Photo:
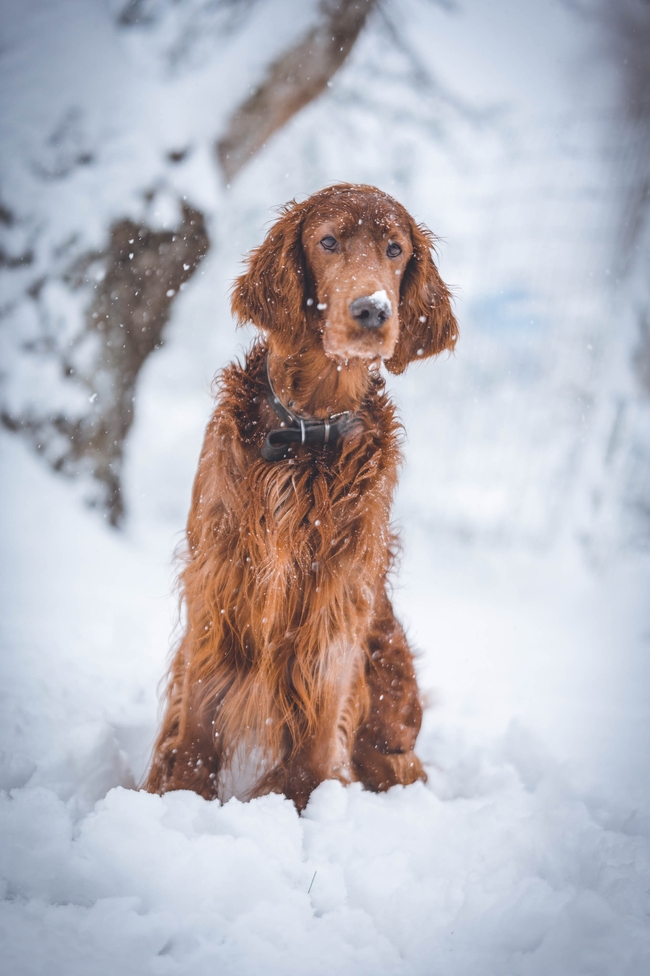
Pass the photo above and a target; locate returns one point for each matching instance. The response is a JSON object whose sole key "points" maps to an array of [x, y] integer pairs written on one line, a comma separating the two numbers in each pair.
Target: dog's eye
{"points": [[329, 243], [393, 250]]}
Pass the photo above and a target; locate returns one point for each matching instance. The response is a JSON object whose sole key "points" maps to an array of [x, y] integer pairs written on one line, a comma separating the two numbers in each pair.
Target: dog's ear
{"points": [[427, 323], [271, 292]]}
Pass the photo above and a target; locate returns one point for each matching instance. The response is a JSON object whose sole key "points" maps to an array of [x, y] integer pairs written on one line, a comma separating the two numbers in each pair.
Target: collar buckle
{"points": [[298, 430]]}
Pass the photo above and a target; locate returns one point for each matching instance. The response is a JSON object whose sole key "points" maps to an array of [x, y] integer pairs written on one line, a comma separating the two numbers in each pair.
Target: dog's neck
{"points": [[312, 384]]}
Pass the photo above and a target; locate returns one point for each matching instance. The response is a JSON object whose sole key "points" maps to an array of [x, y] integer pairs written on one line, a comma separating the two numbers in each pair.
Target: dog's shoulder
{"points": [[239, 388]]}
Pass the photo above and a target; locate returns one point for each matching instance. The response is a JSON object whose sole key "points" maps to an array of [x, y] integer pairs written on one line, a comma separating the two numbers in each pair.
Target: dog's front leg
{"points": [[185, 757], [383, 754], [325, 752]]}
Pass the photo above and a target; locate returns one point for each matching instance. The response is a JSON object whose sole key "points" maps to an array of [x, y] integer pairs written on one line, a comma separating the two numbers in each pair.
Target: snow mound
{"points": [[509, 880]]}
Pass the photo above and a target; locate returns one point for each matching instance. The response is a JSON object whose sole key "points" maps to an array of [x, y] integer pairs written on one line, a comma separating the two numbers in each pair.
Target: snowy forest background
{"points": [[144, 145]]}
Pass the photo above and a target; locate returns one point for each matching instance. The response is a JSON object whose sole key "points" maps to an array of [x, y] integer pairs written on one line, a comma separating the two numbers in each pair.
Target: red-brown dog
{"points": [[292, 668]]}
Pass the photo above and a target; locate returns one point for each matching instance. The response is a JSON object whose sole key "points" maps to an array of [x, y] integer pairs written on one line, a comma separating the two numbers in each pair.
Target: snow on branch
{"points": [[296, 78]]}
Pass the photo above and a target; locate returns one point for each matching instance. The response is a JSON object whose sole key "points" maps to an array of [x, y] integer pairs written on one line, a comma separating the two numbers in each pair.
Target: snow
{"points": [[527, 879], [523, 583], [381, 300]]}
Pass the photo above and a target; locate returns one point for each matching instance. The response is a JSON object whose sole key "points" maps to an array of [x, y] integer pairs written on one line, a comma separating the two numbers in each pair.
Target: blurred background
{"points": [[145, 144]]}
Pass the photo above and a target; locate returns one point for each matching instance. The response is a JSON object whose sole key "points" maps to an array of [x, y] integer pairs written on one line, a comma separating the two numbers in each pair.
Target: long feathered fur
{"points": [[292, 667]]}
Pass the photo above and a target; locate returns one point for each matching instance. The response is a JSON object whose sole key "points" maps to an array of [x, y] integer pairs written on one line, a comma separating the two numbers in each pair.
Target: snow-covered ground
{"points": [[522, 583]]}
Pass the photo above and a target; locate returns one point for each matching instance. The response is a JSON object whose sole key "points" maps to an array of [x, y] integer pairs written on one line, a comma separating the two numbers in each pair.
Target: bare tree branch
{"points": [[296, 78]]}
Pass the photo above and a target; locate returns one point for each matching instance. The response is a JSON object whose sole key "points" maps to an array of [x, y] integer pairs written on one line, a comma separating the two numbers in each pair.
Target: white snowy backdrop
{"points": [[524, 503]]}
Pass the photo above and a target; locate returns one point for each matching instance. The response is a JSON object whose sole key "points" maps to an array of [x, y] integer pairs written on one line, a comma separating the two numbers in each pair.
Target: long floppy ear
{"points": [[427, 323], [271, 292]]}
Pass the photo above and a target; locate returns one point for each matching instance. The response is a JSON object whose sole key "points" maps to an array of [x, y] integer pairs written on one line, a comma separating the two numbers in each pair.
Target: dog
{"points": [[292, 668]]}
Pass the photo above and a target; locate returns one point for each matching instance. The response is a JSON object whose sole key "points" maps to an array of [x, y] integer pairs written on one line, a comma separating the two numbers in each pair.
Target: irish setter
{"points": [[292, 668]]}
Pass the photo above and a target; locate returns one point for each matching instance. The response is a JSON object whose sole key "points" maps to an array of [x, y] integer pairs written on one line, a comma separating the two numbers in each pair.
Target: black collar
{"points": [[295, 430]]}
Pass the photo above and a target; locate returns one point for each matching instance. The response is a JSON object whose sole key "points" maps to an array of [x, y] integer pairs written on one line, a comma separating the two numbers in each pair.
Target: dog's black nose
{"points": [[371, 311]]}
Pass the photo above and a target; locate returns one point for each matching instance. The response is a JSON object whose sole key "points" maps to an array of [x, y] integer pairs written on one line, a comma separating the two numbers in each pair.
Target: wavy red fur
{"points": [[292, 667]]}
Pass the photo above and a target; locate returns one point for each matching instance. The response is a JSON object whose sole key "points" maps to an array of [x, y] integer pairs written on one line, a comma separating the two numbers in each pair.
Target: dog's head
{"points": [[350, 264]]}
